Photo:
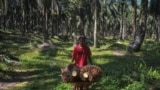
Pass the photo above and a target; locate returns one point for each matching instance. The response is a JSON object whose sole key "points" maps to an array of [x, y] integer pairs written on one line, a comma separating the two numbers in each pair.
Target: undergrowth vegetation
{"points": [[38, 68]]}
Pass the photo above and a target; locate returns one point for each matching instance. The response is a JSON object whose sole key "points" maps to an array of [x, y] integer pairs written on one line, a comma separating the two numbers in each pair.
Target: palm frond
{"points": [[4, 6], [154, 7]]}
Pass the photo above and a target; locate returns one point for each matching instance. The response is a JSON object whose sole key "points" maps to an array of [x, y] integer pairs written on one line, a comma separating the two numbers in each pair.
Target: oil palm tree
{"points": [[155, 11], [134, 5], [122, 19], [95, 8], [135, 45], [3, 12], [44, 6]]}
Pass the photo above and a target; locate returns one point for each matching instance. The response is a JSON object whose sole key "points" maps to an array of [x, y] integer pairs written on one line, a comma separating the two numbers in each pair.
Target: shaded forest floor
{"points": [[17, 78], [29, 64], [13, 78]]}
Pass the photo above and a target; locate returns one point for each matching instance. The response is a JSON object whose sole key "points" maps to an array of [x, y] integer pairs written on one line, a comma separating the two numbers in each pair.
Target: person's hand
{"points": [[72, 62], [90, 63]]}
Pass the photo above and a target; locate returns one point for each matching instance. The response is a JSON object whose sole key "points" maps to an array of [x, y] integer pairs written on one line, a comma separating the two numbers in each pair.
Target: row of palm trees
{"points": [[93, 18]]}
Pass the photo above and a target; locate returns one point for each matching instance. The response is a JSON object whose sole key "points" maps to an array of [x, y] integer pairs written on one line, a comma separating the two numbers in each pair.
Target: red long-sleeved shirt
{"points": [[80, 55]]}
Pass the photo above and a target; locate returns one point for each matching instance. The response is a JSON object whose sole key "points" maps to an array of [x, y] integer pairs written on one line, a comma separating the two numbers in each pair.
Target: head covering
{"points": [[81, 37]]}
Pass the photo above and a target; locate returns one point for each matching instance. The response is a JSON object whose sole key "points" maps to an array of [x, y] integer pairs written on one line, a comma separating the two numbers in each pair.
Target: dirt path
{"points": [[12, 78], [6, 85], [118, 53]]}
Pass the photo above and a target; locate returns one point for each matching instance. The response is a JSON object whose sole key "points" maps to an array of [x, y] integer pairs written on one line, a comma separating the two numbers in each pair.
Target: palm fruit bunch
{"points": [[70, 73], [90, 73]]}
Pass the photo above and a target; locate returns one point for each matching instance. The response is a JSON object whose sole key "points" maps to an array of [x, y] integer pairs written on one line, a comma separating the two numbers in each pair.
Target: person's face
{"points": [[81, 41]]}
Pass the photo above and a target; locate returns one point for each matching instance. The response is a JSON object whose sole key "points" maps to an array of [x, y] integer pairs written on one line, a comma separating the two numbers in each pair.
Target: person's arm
{"points": [[90, 60], [73, 55], [72, 60], [89, 56]]}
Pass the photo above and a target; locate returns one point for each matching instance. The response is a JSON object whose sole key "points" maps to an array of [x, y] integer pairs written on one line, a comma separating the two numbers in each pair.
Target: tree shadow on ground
{"points": [[38, 79], [118, 71]]}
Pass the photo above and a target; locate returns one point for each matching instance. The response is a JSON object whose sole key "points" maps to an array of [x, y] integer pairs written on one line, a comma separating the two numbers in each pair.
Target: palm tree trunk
{"points": [[158, 26], [24, 25], [140, 33], [1, 21], [4, 22], [95, 27], [134, 4], [122, 24], [122, 28], [53, 27], [45, 25], [134, 21]]}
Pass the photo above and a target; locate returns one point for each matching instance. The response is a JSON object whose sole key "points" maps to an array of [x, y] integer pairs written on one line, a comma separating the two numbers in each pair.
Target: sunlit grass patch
{"points": [[3, 66], [29, 56], [19, 86], [62, 86]]}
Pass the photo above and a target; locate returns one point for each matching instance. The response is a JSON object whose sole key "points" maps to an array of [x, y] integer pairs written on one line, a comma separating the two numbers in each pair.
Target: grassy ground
{"points": [[38, 67]]}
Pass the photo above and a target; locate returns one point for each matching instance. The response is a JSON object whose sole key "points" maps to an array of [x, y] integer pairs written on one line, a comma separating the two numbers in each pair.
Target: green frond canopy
{"points": [[155, 7], [44, 3], [3, 6]]}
